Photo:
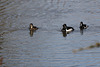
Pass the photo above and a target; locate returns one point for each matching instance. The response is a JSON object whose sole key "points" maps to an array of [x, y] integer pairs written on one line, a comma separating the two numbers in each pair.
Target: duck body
{"points": [[67, 29], [32, 27], [83, 26]]}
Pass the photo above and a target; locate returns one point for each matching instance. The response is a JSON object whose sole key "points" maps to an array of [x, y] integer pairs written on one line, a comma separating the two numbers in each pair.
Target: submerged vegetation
{"points": [[1, 61], [86, 48]]}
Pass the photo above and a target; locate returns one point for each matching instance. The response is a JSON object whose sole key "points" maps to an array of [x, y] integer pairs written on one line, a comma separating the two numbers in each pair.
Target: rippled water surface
{"points": [[48, 47]]}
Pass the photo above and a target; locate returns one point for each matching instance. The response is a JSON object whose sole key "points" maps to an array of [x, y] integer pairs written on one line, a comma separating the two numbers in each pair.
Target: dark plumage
{"points": [[67, 29], [32, 27], [83, 26]]}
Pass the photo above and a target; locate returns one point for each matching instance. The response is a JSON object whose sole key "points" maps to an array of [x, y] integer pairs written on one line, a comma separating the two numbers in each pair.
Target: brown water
{"points": [[48, 47]]}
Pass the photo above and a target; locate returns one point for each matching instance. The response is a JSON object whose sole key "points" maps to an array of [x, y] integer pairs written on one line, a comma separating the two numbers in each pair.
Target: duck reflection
{"points": [[64, 34], [31, 33], [81, 31], [86, 48]]}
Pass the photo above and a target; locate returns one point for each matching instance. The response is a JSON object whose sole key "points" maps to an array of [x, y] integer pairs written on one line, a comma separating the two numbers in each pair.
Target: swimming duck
{"points": [[67, 29], [32, 27], [83, 26]]}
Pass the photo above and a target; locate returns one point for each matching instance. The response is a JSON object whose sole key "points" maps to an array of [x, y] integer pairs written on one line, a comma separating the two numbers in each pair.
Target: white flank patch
{"points": [[69, 30]]}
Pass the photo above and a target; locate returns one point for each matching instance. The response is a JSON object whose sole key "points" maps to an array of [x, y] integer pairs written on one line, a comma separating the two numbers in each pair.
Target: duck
{"points": [[32, 27], [83, 26], [67, 29]]}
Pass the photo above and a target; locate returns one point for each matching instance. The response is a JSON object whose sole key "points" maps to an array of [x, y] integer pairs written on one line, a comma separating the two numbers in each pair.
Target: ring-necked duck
{"points": [[67, 29], [32, 27], [83, 26]]}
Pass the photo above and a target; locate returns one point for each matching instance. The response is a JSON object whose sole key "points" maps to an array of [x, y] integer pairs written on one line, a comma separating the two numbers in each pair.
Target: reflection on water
{"points": [[64, 34], [31, 33], [81, 31], [86, 48]]}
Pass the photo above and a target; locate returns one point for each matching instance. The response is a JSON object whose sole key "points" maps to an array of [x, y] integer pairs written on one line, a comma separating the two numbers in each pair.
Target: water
{"points": [[48, 47]]}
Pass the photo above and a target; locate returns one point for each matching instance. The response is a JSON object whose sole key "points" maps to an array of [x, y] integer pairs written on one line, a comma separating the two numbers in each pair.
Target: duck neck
{"points": [[81, 24], [31, 26], [65, 27]]}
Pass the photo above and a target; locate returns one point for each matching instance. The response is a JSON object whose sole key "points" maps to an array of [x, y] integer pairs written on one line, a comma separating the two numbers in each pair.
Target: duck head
{"points": [[31, 25], [81, 23], [64, 26]]}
